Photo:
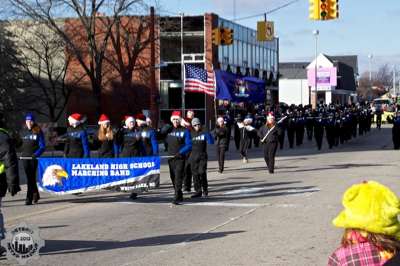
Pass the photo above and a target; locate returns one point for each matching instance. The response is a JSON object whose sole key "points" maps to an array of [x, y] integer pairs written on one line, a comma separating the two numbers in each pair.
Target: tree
{"points": [[10, 75], [129, 38], [86, 35], [44, 63], [381, 81]]}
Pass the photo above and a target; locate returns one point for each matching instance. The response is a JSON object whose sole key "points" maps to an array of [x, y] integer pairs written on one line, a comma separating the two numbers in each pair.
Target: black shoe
{"points": [[133, 196], [3, 251], [196, 195], [271, 172], [36, 198], [175, 202], [28, 202], [205, 193]]}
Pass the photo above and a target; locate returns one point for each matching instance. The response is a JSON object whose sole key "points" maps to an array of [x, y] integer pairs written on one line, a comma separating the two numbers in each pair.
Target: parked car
{"points": [[382, 103]]}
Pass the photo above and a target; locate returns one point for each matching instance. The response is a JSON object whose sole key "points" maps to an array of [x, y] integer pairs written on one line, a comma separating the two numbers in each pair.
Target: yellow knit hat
{"points": [[372, 207]]}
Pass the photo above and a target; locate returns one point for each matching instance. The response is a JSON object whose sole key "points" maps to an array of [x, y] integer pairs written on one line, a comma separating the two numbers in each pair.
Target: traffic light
{"points": [[216, 36], [314, 10], [226, 36], [324, 10], [333, 9]]}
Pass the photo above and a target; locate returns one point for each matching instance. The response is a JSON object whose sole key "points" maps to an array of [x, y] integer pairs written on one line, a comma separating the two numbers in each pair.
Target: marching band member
{"points": [[33, 145], [77, 144], [269, 134], [198, 158], [108, 147]]}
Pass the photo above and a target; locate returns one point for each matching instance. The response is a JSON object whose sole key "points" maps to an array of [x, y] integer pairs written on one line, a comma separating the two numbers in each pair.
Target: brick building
{"points": [[178, 40]]}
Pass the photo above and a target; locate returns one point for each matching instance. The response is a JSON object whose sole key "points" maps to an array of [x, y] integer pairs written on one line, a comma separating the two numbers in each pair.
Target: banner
{"points": [[326, 77], [238, 89], [68, 176]]}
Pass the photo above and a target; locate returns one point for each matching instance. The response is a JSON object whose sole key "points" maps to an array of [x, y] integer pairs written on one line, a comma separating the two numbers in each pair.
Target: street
{"points": [[250, 218]]}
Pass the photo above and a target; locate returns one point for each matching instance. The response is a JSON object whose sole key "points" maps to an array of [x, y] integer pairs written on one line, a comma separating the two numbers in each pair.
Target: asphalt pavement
{"points": [[250, 218]]}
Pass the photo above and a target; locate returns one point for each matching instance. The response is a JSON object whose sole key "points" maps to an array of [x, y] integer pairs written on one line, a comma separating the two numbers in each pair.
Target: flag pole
{"points": [[215, 93], [182, 69]]}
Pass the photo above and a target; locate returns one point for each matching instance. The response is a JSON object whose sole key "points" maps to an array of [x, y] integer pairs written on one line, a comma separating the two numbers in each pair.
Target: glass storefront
{"points": [[246, 56]]}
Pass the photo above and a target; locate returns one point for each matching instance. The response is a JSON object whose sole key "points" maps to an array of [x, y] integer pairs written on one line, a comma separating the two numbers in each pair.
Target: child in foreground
{"points": [[372, 229]]}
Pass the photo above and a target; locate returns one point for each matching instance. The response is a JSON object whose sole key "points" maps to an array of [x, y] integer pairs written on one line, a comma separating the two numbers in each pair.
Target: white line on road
{"points": [[246, 191]]}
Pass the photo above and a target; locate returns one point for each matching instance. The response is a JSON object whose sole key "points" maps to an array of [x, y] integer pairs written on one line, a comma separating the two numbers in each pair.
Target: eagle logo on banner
{"points": [[53, 175]]}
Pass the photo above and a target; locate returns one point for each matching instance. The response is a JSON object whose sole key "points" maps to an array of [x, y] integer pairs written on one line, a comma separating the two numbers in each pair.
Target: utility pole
{"points": [[316, 33]]}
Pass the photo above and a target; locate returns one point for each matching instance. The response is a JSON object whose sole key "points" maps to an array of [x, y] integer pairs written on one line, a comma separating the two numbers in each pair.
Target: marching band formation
{"points": [[186, 140]]}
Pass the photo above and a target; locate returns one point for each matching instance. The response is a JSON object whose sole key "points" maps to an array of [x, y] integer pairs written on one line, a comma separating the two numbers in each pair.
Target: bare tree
{"points": [[44, 63], [10, 75], [130, 38], [381, 81], [86, 35]]}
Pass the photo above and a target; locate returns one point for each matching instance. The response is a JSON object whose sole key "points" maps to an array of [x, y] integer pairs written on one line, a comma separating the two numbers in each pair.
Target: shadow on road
{"points": [[80, 246], [337, 167]]}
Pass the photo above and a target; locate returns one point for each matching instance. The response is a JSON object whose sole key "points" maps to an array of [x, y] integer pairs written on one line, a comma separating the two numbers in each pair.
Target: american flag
{"points": [[199, 80]]}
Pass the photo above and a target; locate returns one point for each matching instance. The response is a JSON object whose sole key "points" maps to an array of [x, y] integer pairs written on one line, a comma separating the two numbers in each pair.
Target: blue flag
{"points": [[239, 89]]}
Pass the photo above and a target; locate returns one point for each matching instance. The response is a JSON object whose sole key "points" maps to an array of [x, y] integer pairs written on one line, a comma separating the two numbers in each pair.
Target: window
{"points": [[171, 72], [170, 50], [193, 23], [193, 44]]}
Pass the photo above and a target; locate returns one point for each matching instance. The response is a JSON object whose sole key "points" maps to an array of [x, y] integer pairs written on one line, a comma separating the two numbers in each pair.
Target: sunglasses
{"points": [[197, 125]]}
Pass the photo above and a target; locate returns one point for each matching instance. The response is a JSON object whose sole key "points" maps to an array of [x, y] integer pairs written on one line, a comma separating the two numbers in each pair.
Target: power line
{"points": [[268, 12]]}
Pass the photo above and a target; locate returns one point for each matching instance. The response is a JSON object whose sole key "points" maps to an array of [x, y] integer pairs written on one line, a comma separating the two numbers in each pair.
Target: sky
{"points": [[365, 27]]}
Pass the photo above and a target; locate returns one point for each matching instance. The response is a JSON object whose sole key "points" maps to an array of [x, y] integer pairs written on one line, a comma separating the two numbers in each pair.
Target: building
{"points": [[293, 83], [336, 80], [188, 40]]}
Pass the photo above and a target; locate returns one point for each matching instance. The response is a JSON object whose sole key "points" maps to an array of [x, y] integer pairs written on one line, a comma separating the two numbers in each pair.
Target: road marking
{"points": [[226, 204], [15, 219], [187, 241], [254, 191]]}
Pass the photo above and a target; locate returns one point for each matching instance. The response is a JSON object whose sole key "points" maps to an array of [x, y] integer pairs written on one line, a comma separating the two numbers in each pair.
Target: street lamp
{"points": [[316, 33], [370, 56]]}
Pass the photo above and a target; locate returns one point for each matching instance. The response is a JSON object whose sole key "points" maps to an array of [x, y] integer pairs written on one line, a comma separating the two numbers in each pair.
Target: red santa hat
{"points": [[270, 117], [128, 119], [140, 119], [176, 115], [103, 119], [75, 119]]}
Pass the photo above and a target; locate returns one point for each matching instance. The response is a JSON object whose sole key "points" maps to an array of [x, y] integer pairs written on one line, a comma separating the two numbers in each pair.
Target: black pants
{"points": [[198, 163], [290, 134], [319, 135], [30, 167], [299, 136], [309, 132], [269, 155], [187, 177], [378, 121], [243, 147], [281, 139], [221, 157], [176, 172]]}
